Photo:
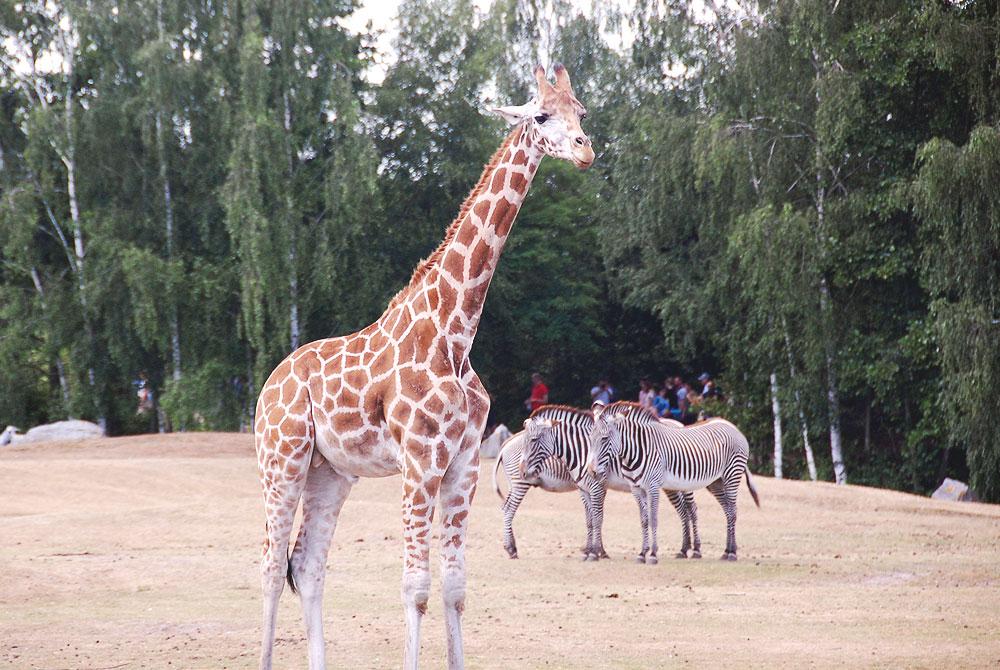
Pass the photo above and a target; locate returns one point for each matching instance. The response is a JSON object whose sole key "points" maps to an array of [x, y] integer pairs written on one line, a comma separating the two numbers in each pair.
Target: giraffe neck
{"points": [[472, 248]]}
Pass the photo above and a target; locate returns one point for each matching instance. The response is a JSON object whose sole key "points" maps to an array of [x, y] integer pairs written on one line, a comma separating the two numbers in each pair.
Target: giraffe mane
{"points": [[424, 266]]}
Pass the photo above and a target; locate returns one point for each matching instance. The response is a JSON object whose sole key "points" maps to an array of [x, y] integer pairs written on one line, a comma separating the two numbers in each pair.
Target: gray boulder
{"points": [[952, 489]]}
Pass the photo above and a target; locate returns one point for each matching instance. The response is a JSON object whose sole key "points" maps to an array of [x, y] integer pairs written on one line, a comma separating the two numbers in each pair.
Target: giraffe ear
{"points": [[515, 114]]}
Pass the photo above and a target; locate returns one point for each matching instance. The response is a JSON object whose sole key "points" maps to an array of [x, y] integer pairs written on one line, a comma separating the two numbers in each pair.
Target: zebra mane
{"points": [[562, 412], [631, 410]]}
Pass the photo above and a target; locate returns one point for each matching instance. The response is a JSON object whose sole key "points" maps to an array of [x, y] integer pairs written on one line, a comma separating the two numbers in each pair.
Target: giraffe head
{"points": [[539, 445], [605, 440], [553, 119]]}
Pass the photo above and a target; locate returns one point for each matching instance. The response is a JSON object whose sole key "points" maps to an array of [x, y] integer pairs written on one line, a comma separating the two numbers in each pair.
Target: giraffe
{"points": [[400, 396]]}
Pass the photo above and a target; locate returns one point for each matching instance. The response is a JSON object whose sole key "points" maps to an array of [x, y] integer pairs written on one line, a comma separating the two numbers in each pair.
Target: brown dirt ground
{"points": [[142, 552]]}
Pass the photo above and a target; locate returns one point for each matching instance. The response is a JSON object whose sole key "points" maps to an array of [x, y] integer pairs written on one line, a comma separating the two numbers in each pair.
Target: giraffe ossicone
{"points": [[400, 396]]}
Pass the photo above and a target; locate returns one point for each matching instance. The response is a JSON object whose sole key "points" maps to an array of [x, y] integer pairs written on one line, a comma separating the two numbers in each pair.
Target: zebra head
{"points": [[539, 446], [605, 441]]}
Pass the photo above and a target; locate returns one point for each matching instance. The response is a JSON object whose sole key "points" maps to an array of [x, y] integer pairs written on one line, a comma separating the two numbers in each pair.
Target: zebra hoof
{"points": [[590, 557], [640, 559], [681, 554], [695, 554], [603, 554], [728, 557], [652, 560]]}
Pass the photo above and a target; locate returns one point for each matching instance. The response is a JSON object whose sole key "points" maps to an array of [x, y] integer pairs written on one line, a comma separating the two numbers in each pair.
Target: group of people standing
{"points": [[675, 398]]}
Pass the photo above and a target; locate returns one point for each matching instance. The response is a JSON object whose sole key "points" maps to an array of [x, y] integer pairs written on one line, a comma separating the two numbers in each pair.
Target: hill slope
{"points": [[142, 552]]}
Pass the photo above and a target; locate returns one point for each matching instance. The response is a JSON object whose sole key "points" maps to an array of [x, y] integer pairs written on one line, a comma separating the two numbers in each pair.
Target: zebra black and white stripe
{"points": [[652, 455], [553, 446]]}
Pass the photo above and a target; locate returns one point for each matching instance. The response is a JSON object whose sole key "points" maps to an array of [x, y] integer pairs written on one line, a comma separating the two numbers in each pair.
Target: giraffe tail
{"points": [[753, 489], [496, 481], [288, 576]]}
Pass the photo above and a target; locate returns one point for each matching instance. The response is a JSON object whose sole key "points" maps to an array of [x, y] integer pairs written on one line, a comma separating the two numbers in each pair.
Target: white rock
{"points": [[490, 447]]}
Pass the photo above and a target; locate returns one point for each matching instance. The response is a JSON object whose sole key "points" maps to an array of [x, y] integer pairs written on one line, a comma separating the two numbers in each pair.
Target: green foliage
{"points": [[808, 192]]}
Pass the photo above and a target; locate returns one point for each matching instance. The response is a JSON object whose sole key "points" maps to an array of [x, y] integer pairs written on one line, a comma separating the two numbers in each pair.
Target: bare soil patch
{"points": [[142, 552]]}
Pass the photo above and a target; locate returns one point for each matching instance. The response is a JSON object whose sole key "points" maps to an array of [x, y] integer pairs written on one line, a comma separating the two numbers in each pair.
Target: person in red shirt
{"points": [[539, 393]]}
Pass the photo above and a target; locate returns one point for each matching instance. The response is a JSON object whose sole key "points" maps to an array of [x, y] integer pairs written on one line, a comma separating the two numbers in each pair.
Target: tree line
{"points": [[798, 196]]}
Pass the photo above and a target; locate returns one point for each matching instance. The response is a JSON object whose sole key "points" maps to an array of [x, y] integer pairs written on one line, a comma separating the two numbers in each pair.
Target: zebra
{"points": [[552, 476], [651, 455], [559, 434]]}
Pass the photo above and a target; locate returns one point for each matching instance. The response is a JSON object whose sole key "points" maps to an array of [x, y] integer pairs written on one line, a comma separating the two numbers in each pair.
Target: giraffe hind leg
{"points": [[284, 463], [325, 493]]}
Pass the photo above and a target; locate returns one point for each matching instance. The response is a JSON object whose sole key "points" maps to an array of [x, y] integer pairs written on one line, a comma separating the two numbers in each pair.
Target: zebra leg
{"points": [[654, 520], [640, 499], [692, 512], [728, 503], [598, 493], [588, 510], [678, 500], [518, 488]]}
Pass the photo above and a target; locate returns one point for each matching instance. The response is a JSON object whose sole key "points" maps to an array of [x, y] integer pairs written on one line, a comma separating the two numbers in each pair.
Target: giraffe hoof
{"points": [[652, 560], [640, 559], [695, 554], [681, 554]]}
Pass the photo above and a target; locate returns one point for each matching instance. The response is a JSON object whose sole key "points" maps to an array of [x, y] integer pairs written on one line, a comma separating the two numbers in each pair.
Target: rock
{"points": [[10, 436], [491, 445], [60, 430], [952, 489]]}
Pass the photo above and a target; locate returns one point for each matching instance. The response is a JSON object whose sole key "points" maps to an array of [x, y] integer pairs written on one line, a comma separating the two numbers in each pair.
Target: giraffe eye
{"points": [[541, 118]]}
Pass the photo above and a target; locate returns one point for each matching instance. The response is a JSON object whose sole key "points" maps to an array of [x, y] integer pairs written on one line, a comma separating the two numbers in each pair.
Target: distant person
{"points": [[661, 405], [539, 393], [709, 388], [670, 385], [646, 393], [602, 393], [684, 399]]}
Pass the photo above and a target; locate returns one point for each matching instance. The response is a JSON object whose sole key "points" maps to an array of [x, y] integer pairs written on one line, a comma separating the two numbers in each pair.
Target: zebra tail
{"points": [[753, 489], [496, 482]]}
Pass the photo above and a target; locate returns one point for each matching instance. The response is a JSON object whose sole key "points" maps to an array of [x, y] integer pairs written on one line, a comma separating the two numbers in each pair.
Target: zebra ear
{"points": [[528, 423], [597, 408]]}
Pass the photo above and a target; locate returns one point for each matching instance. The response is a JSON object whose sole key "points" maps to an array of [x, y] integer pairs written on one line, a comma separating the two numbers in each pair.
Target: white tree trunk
{"points": [[69, 160], [803, 424], [36, 279], [832, 394], [826, 307], [293, 278], [168, 212], [776, 409]]}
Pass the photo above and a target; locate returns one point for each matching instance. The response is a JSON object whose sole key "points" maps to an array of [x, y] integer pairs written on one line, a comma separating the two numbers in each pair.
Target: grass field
{"points": [[142, 553]]}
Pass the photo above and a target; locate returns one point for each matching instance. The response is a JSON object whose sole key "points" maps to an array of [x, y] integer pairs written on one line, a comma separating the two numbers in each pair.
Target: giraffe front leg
{"points": [[325, 493], [420, 492], [457, 490]]}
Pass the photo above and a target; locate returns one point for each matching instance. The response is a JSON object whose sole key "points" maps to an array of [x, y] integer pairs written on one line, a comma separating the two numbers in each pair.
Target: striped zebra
{"points": [[555, 442], [651, 454], [552, 476]]}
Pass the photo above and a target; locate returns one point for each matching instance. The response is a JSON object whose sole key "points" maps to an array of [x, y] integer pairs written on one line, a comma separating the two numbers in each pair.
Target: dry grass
{"points": [[142, 552]]}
